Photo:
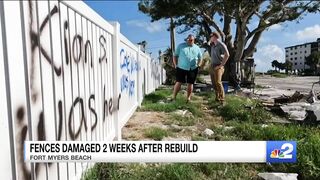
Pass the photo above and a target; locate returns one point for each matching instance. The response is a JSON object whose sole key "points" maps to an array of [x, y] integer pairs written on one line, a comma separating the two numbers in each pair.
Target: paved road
{"points": [[293, 83], [302, 84]]}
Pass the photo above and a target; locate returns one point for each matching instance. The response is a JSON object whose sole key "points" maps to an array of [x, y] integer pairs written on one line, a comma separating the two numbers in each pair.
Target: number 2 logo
{"points": [[288, 148]]}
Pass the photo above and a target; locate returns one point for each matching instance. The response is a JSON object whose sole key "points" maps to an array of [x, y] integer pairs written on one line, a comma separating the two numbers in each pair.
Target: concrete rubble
{"points": [[295, 111], [278, 176], [299, 105], [294, 105], [207, 133], [183, 113]]}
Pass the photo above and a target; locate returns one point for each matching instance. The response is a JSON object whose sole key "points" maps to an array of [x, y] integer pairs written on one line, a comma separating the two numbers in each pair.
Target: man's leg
{"points": [[211, 72], [180, 78], [218, 76], [176, 89], [189, 91], [191, 78]]}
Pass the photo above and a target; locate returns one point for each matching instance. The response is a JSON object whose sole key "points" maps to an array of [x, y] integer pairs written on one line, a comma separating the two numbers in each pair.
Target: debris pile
{"points": [[297, 106]]}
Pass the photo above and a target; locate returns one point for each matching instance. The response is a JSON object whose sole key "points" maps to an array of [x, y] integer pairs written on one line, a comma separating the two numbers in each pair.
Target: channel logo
{"points": [[281, 151]]}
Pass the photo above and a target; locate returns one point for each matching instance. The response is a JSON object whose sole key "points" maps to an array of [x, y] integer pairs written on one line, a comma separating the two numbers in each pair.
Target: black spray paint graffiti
{"points": [[102, 42], [128, 66], [36, 45], [111, 105]]}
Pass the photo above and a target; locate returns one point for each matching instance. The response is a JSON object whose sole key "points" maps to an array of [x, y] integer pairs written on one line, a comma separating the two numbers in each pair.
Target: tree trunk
{"points": [[172, 37]]}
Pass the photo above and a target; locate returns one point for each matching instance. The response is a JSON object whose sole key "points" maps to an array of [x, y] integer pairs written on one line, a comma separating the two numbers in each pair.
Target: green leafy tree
{"points": [[205, 15], [313, 60], [281, 66], [168, 66], [274, 64], [288, 66]]}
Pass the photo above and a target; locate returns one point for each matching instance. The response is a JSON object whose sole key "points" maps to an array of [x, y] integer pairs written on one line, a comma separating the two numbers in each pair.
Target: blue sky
{"points": [[137, 27]]}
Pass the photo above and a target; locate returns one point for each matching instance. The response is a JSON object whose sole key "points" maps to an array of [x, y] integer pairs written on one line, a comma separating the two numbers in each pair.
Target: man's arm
{"points": [[225, 56], [176, 56], [175, 60], [200, 63]]}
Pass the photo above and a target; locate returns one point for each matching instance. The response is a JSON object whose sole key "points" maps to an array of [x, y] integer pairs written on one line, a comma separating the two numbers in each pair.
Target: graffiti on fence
{"points": [[155, 69], [79, 51], [129, 66]]}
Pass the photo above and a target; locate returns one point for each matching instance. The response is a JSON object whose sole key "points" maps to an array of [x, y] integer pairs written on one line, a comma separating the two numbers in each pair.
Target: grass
{"points": [[151, 103], [178, 171], [308, 144], [240, 109], [156, 96], [279, 75], [181, 120], [246, 118], [198, 138], [156, 133], [143, 172], [258, 86]]}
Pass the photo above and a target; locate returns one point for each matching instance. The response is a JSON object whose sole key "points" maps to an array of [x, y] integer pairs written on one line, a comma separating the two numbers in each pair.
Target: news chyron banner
{"points": [[161, 151]]}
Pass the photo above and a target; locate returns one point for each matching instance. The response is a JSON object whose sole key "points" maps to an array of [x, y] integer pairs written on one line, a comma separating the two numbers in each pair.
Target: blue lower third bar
{"points": [[281, 151]]}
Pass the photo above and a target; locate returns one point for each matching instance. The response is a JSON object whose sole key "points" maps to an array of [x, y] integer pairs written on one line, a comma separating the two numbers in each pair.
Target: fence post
{"points": [[139, 94], [115, 73]]}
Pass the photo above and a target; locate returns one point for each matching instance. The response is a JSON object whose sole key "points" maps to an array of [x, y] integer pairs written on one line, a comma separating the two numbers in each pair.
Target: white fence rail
{"points": [[65, 74]]}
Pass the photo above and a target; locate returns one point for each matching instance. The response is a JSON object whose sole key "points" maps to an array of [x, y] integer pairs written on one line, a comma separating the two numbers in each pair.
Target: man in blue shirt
{"points": [[186, 60]]}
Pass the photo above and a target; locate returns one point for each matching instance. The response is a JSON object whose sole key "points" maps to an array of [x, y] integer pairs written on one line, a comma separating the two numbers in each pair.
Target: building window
{"points": [[291, 59], [295, 63], [305, 51], [295, 58], [295, 53], [290, 53]]}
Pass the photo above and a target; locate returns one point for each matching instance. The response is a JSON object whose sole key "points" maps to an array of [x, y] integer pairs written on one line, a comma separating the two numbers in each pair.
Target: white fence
{"points": [[65, 74]]}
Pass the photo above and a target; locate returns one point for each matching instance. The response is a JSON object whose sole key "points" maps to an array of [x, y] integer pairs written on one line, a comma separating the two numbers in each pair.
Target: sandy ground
{"points": [[292, 83]]}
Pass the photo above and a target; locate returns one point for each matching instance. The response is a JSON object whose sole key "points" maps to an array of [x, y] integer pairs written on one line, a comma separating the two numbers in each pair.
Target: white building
{"points": [[297, 54]]}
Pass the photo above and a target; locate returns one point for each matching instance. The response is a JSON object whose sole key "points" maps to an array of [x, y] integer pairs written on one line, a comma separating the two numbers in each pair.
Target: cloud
{"points": [[275, 27], [309, 33], [266, 54], [151, 27]]}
